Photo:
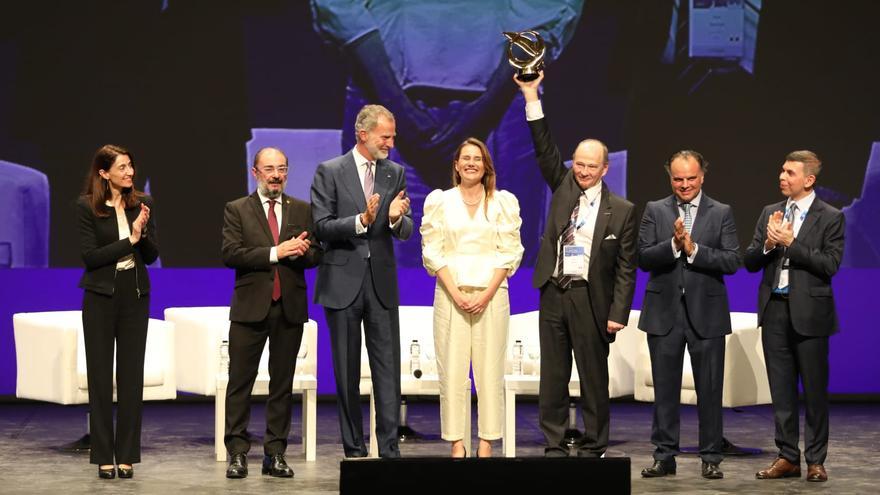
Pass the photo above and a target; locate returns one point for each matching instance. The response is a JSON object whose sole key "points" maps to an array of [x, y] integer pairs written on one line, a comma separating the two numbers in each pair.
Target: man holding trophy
{"points": [[585, 271]]}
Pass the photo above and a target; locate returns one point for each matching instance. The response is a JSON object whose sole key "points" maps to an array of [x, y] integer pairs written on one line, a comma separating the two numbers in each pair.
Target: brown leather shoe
{"points": [[780, 468], [816, 472]]}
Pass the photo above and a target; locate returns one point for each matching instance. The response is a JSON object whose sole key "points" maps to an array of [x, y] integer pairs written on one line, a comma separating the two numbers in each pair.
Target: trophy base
{"points": [[527, 77]]}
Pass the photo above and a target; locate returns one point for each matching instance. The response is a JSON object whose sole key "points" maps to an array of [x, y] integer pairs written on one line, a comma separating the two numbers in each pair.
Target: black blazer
{"points": [[100, 247], [714, 231], [814, 258], [246, 245], [612, 277]]}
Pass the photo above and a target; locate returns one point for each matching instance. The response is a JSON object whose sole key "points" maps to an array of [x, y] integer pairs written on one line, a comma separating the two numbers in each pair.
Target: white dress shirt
{"points": [[803, 205], [127, 261], [588, 212]]}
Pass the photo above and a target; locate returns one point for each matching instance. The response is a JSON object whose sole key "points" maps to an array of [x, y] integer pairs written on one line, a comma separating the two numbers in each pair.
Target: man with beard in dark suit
{"points": [[266, 239]]}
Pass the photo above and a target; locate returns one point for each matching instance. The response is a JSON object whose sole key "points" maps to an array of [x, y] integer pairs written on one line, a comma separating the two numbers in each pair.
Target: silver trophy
{"points": [[532, 46]]}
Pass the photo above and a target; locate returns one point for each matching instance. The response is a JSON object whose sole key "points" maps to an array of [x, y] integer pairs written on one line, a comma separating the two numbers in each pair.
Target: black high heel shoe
{"points": [[125, 473], [107, 474]]}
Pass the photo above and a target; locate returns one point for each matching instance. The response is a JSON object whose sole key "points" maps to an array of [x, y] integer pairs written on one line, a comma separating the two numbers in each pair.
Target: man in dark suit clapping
{"points": [[798, 244], [688, 243], [266, 239]]}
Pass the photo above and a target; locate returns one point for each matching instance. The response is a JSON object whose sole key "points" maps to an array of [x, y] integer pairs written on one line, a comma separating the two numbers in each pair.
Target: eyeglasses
{"points": [[271, 169]]}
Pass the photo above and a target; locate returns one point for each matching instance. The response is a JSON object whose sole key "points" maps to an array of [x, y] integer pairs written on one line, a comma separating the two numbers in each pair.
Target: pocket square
{"points": [[610, 237]]}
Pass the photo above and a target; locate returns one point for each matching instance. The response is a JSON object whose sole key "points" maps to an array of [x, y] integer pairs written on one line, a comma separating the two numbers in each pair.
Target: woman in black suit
{"points": [[117, 241]]}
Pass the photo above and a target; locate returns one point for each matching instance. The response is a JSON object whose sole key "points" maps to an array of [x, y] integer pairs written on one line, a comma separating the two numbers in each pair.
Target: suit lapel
{"points": [[703, 212], [351, 179], [810, 220], [573, 195], [381, 181], [260, 216], [603, 216]]}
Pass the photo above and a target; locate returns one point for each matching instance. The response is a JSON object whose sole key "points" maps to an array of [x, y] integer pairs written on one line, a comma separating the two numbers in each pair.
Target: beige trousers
{"points": [[461, 338]]}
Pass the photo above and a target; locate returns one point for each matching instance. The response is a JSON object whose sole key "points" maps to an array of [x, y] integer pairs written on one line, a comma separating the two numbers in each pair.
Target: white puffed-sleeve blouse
{"points": [[471, 248]]}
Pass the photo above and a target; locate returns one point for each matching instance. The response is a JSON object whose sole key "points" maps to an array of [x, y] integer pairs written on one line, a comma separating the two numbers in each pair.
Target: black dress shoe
{"points": [[237, 466], [659, 470], [274, 465], [125, 473], [107, 474], [711, 471]]}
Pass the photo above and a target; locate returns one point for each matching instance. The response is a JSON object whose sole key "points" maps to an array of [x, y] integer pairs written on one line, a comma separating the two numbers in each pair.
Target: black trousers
{"points": [[382, 338], [246, 343], [790, 355], [566, 324], [707, 363], [120, 319]]}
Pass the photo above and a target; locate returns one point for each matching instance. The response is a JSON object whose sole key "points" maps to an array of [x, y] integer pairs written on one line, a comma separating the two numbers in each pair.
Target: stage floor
{"points": [[178, 450]]}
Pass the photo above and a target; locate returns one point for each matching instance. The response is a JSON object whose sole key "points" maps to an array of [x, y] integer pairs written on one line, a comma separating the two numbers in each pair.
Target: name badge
{"points": [[573, 261]]}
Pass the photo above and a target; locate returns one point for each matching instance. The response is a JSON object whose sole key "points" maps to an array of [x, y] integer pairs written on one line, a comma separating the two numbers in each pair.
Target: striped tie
{"points": [[566, 239], [688, 219]]}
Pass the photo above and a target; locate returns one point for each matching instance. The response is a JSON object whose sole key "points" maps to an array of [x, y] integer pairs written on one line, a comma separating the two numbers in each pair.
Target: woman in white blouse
{"points": [[470, 241]]}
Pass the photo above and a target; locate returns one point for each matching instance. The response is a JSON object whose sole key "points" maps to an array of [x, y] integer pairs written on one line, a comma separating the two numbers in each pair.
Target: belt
{"points": [[573, 285]]}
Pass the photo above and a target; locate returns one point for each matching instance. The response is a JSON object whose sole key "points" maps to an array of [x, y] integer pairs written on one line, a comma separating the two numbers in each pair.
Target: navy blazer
{"points": [[814, 258], [101, 247], [337, 198], [714, 231], [247, 241]]}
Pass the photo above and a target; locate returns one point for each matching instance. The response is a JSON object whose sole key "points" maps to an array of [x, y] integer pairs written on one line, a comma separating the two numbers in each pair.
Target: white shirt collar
{"points": [[359, 159], [264, 199], [803, 204], [695, 203], [593, 192]]}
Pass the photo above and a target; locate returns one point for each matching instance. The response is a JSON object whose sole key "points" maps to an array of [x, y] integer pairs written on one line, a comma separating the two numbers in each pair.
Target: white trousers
{"points": [[461, 338]]}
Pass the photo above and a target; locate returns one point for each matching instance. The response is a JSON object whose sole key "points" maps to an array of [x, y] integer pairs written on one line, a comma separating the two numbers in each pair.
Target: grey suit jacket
{"points": [[612, 277], [714, 231], [246, 244], [337, 197], [814, 258]]}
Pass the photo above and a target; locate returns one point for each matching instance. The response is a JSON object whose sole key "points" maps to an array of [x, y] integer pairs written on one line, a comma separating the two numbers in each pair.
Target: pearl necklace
{"points": [[474, 203]]}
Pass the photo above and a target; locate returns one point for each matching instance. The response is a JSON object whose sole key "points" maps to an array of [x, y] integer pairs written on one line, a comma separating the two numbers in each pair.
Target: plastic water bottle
{"points": [[415, 354], [224, 357], [518, 357]]}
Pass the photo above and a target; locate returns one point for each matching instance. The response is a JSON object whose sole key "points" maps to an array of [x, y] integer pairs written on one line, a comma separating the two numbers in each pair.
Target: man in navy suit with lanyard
{"points": [[798, 243]]}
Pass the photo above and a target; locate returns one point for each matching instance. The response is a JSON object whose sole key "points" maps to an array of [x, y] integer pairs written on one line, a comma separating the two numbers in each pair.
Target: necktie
{"points": [[783, 262], [273, 227], [566, 239], [368, 181], [688, 219]]}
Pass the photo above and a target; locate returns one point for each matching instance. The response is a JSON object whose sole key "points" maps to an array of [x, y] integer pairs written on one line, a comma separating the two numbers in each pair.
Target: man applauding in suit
{"points": [[266, 238], [359, 206], [798, 243], [688, 243], [586, 274]]}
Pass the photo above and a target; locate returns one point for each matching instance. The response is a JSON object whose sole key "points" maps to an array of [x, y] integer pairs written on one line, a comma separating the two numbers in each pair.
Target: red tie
{"points": [[273, 227]]}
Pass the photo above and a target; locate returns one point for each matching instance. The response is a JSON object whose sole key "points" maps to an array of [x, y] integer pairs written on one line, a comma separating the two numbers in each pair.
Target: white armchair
{"points": [[415, 327], [201, 331], [745, 373], [524, 327], [51, 359]]}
